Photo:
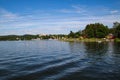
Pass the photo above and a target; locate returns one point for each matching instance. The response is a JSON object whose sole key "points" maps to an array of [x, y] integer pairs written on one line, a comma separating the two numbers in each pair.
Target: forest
{"points": [[97, 30]]}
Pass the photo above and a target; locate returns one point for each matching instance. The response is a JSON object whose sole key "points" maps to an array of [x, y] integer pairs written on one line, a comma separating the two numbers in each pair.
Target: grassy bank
{"points": [[89, 40], [117, 40]]}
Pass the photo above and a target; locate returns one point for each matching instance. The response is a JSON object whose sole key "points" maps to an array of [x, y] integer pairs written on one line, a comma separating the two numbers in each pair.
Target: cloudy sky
{"points": [[55, 16]]}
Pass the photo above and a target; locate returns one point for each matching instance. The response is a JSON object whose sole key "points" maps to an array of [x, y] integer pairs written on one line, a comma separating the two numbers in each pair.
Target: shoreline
{"points": [[99, 40]]}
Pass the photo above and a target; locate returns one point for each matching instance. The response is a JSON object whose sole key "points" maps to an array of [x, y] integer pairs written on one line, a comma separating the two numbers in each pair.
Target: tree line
{"points": [[97, 30], [30, 37]]}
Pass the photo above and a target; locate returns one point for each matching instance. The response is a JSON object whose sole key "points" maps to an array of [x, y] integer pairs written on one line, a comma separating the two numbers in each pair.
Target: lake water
{"points": [[57, 60]]}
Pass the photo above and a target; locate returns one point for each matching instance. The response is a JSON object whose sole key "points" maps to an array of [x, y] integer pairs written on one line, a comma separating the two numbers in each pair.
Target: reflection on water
{"points": [[95, 48], [55, 60]]}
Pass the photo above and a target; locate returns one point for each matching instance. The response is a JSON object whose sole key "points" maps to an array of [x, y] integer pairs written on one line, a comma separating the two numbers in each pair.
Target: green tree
{"points": [[89, 31], [71, 34], [111, 30], [78, 34], [96, 30], [117, 29]]}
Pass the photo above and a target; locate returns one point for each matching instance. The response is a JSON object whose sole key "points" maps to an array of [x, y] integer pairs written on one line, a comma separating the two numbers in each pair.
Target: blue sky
{"points": [[55, 16]]}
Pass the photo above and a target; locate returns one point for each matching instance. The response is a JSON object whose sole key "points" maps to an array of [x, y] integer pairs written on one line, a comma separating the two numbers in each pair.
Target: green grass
{"points": [[117, 40], [83, 40]]}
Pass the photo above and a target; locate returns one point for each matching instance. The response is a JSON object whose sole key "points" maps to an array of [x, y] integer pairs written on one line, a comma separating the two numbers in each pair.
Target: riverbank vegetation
{"points": [[96, 32], [91, 33]]}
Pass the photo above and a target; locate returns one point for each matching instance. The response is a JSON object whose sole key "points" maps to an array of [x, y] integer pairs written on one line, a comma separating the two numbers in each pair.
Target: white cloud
{"points": [[7, 15], [114, 11], [11, 23], [74, 9], [66, 11]]}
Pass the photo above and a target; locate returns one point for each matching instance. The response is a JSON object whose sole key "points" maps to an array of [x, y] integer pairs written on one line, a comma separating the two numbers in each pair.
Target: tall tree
{"points": [[117, 29], [71, 35], [96, 30]]}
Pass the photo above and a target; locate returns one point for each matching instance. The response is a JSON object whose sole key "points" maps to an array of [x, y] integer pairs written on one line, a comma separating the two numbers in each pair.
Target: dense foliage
{"points": [[74, 35], [117, 29], [96, 30]]}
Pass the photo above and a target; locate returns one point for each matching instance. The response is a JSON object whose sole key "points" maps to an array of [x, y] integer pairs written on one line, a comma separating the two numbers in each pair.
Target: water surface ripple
{"points": [[57, 60]]}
